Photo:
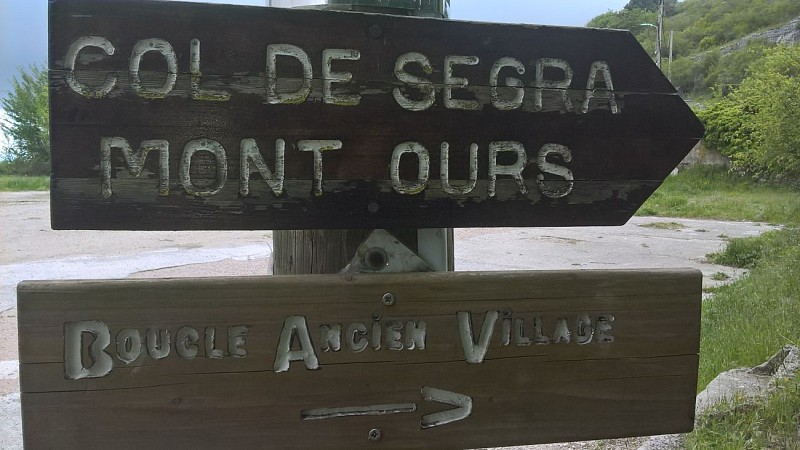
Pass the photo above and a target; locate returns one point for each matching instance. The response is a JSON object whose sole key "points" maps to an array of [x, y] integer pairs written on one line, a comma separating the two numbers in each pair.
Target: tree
{"points": [[652, 5], [756, 124], [28, 125]]}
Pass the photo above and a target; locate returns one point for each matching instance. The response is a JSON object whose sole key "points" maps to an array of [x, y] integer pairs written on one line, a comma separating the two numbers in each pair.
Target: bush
{"points": [[756, 124]]}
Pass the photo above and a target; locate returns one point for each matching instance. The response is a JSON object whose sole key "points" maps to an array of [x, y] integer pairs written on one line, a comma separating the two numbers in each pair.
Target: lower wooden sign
{"points": [[439, 360]]}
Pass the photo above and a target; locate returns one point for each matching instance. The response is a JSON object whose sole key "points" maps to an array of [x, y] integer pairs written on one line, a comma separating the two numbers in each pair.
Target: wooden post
{"points": [[297, 252]]}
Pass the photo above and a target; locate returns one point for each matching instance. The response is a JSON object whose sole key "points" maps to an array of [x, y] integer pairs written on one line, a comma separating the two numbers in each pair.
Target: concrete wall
{"points": [[701, 154]]}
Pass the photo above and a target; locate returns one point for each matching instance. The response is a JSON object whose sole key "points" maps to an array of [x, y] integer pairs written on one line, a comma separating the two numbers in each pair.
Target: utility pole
{"points": [[319, 251], [659, 32]]}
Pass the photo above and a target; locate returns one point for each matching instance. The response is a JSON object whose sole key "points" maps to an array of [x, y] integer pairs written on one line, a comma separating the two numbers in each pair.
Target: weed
{"points": [[720, 276], [664, 226], [22, 183]]}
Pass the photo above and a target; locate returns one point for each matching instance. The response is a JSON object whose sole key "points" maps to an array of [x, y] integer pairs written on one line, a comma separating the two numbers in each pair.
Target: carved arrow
{"points": [[463, 404]]}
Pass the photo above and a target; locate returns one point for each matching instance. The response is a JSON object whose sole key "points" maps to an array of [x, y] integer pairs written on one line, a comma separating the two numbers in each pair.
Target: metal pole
{"points": [[669, 68]]}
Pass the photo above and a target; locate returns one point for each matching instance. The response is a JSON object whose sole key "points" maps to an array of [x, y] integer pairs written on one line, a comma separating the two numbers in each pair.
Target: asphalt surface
{"points": [[30, 250]]}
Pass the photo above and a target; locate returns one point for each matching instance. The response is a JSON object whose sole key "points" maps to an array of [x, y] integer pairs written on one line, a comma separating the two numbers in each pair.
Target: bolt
{"points": [[373, 207], [375, 31], [376, 259], [375, 434], [388, 299]]}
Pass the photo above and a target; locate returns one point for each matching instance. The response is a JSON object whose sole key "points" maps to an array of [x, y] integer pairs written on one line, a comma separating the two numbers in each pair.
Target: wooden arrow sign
{"points": [[190, 116], [459, 360]]}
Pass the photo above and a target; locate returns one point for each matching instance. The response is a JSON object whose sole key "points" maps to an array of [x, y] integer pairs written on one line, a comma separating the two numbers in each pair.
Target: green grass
{"points": [[704, 192], [744, 323], [770, 423], [21, 183]]}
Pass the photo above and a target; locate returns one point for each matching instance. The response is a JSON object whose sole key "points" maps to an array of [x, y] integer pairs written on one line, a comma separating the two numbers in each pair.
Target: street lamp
{"points": [[658, 41]]}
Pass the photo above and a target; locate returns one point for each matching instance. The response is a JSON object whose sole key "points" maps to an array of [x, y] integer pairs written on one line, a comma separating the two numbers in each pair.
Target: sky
{"points": [[23, 23]]}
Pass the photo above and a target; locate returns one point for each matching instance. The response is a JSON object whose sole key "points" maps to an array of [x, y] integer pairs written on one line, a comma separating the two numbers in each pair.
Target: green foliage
{"points": [[744, 323], [28, 127], [756, 124], [701, 27], [717, 22], [715, 193], [10, 183], [630, 20], [652, 5]]}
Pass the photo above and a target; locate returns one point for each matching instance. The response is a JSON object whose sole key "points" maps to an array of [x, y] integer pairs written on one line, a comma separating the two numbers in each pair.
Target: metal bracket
{"points": [[381, 252]]}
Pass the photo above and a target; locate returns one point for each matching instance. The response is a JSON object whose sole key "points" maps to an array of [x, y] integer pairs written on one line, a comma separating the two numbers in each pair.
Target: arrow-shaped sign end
{"points": [[462, 403]]}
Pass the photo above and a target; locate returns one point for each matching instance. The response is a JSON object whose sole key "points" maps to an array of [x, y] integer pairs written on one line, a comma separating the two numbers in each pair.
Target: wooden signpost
{"points": [[177, 116], [438, 360], [189, 116]]}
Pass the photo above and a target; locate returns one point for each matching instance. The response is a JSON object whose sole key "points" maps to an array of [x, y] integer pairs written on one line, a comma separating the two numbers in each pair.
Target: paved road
{"points": [[30, 250]]}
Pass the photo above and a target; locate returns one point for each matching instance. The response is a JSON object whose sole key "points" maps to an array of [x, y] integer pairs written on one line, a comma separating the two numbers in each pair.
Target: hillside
{"points": [[714, 40]]}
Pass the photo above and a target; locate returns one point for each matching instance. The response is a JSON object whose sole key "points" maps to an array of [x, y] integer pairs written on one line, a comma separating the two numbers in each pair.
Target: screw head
{"points": [[388, 299], [375, 434], [375, 31]]}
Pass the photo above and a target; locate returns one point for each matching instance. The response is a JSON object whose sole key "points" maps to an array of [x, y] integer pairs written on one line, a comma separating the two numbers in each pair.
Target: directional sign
{"points": [[173, 115], [458, 360]]}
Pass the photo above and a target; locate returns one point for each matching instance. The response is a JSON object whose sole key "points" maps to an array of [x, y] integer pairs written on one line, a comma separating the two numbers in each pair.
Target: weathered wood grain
{"points": [[641, 383], [633, 130]]}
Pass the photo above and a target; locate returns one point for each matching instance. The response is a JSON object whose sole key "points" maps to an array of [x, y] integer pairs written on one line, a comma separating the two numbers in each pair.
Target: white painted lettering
{"points": [[562, 86], [318, 146], [330, 337], [583, 330], [165, 49], [510, 82], [451, 82], [554, 169], [329, 77], [475, 351], [134, 161], [73, 349], [393, 335], [505, 336], [216, 149], [520, 340], [538, 335], [415, 334], [71, 58], [248, 150], [423, 171], [602, 328], [295, 329], [129, 345], [186, 340], [196, 75], [292, 51], [211, 344], [354, 338], [237, 337], [561, 333], [424, 85], [445, 171], [600, 67], [514, 170], [158, 343]]}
